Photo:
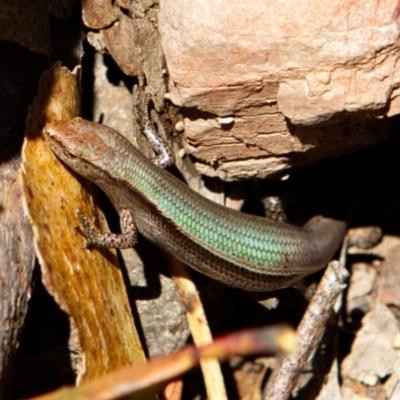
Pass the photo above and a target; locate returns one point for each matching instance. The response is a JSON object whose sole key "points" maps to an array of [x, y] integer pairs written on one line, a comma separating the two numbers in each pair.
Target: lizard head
{"points": [[86, 147]]}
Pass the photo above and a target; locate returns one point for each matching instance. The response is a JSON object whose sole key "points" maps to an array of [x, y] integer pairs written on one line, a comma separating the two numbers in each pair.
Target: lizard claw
{"points": [[86, 229]]}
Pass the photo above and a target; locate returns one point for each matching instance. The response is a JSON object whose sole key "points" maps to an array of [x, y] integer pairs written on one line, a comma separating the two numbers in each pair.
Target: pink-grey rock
{"points": [[279, 69]]}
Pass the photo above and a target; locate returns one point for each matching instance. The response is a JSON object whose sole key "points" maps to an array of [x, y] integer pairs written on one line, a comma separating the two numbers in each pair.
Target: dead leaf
{"points": [[86, 284]]}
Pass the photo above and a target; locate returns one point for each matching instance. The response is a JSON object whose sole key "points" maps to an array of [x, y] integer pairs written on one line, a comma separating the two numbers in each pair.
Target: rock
{"points": [[296, 88]]}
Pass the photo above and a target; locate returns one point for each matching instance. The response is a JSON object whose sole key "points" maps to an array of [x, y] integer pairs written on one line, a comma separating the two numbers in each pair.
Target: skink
{"points": [[238, 249]]}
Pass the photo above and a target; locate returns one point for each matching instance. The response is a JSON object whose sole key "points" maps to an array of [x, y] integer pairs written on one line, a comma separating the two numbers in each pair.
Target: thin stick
{"points": [[199, 328], [310, 330]]}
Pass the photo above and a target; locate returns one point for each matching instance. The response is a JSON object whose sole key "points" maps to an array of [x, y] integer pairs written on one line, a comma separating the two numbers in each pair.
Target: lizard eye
{"points": [[69, 154]]}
